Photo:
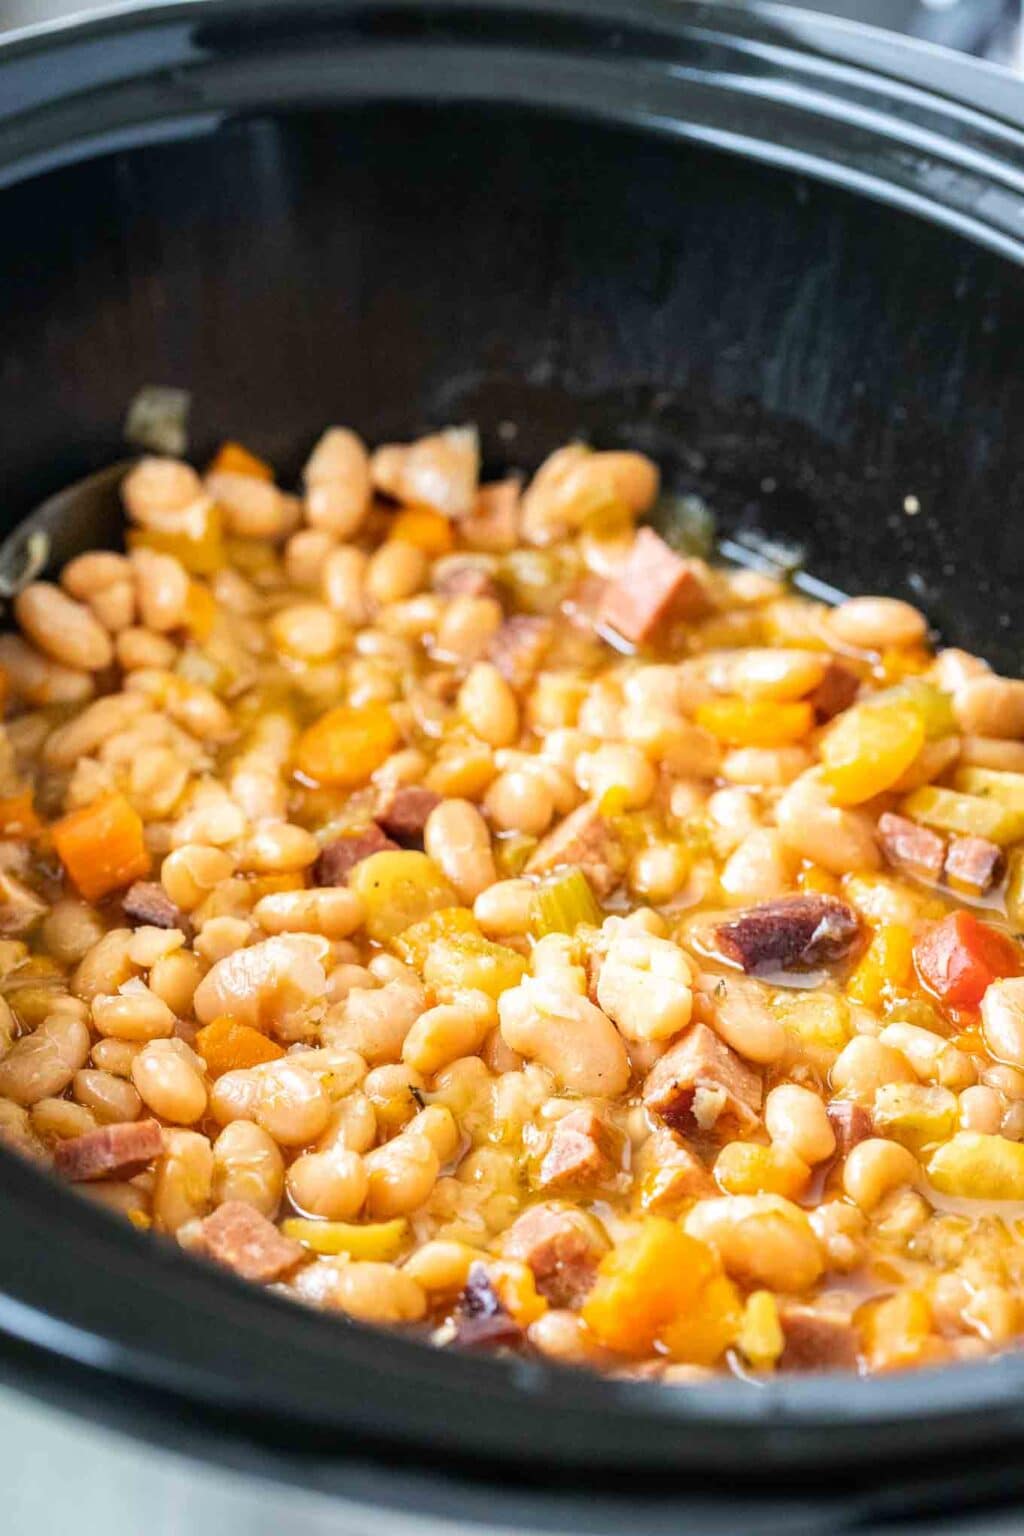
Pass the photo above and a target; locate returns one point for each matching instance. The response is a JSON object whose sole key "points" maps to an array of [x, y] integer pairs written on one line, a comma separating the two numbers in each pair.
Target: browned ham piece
{"points": [[973, 864], [794, 931], [670, 1173], [836, 691], [852, 1124], [554, 1241], [702, 1064], [817, 1338], [907, 845], [345, 852], [493, 523], [147, 902], [124, 1149], [579, 1152], [242, 1239], [481, 1321], [653, 583], [402, 813], [519, 647], [583, 840]]}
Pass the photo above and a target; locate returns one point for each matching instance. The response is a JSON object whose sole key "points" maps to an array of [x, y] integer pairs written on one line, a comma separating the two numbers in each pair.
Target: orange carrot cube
{"points": [[102, 847]]}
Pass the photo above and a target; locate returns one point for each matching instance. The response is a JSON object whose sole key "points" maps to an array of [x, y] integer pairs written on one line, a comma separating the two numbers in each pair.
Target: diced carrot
{"points": [[428, 530], [200, 549], [102, 846], [226, 1045], [233, 459], [958, 958], [646, 1283], [18, 816], [898, 663], [814, 879], [517, 1291], [703, 1333], [969, 1039], [200, 610], [755, 722], [869, 748], [344, 746], [897, 1331], [887, 966]]}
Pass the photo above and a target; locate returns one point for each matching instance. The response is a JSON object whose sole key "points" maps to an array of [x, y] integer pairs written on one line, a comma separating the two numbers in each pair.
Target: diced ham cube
{"points": [[973, 864], [493, 524], [653, 583], [907, 845], [402, 814], [147, 902], [852, 1124], [793, 931], [519, 647], [818, 1338], [836, 691], [242, 1239], [579, 1153], [700, 1082], [556, 1241], [583, 603], [464, 577], [341, 855], [124, 1149], [583, 840], [670, 1174]]}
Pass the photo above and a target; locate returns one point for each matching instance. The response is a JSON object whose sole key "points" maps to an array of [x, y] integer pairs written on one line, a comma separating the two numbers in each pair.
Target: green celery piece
{"points": [[968, 815], [934, 706], [1006, 788], [563, 903], [685, 523]]}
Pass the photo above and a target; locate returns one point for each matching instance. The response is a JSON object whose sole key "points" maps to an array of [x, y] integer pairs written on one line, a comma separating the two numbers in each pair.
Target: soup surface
{"points": [[461, 907]]}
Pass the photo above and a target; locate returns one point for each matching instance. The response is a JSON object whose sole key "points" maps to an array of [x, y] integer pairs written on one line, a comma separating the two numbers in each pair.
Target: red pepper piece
{"points": [[958, 958]]}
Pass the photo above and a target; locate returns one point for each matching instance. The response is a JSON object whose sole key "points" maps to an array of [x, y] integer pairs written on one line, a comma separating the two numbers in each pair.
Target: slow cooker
{"points": [[780, 252]]}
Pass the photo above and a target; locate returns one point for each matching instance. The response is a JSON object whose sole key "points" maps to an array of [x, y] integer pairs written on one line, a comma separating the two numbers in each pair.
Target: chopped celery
{"points": [[1005, 788], [398, 889], [539, 578], [686, 523], [157, 419], [934, 707], [819, 1023], [380, 1240], [563, 903], [512, 853], [979, 1167], [970, 815], [914, 1114]]}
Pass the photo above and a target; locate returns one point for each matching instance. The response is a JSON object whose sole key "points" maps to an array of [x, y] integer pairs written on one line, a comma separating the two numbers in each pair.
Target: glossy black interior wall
{"points": [[805, 358]]}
